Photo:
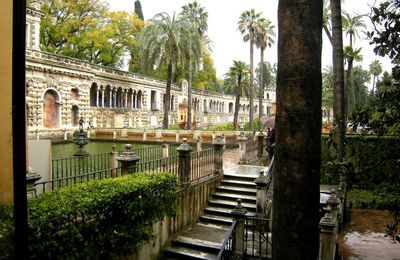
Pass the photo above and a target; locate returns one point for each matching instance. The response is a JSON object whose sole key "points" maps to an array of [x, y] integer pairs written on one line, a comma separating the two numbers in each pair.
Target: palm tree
{"points": [[246, 26], [351, 25], [165, 40], [326, 16], [298, 131], [350, 55], [375, 68], [263, 38], [327, 89], [198, 20], [338, 79], [238, 70]]}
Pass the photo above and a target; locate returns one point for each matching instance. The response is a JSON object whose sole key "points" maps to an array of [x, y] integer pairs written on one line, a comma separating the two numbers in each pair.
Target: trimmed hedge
{"points": [[99, 219]]}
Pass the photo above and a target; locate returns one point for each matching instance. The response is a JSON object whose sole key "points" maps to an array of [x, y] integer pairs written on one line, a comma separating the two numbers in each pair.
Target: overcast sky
{"points": [[228, 43]]}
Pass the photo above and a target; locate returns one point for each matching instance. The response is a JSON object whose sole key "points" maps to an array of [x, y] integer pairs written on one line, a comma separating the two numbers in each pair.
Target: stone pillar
{"points": [[144, 135], [114, 134], [328, 237], [260, 137], [31, 178], [239, 214], [262, 186], [97, 98], [177, 136], [165, 155], [102, 98], [242, 148], [184, 169], [128, 160], [218, 156], [111, 98], [113, 161], [126, 100], [199, 144]]}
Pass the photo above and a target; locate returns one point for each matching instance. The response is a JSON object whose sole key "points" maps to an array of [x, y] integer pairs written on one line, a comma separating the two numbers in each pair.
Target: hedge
{"points": [[99, 219]]}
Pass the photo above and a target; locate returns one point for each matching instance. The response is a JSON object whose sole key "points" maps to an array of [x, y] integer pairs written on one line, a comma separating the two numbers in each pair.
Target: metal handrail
{"points": [[228, 236]]}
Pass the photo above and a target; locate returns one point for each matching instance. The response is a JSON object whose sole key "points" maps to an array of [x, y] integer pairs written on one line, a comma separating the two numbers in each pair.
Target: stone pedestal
{"points": [[218, 156], [31, 178], [260, 138], [242, 148], [262, 186], [128, 160], [239, 214], [184, 151]]}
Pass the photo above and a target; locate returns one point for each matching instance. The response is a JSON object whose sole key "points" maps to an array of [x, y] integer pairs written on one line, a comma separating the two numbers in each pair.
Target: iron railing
{"points": [[202, 164], [73, 166], [169, 164], [43, 186], [257, 237], [226, 251]]}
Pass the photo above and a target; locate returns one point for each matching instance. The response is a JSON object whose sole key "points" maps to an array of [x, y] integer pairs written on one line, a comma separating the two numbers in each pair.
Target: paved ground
{"points": [[231, 159]]}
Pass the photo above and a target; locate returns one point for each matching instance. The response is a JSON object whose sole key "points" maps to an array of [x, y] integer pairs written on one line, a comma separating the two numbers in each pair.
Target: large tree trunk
{"points": [[338, 79], [261, 94], [347, 88], [296, 173], [237, 101], [167, 98], [251, 101]]}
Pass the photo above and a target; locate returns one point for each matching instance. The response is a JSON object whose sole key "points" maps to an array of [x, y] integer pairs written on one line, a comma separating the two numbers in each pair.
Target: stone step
{"points": [[216, 219], [237, 190], [231, 204], [183, 252], [234, 197], [197, 243], [238, 183]]}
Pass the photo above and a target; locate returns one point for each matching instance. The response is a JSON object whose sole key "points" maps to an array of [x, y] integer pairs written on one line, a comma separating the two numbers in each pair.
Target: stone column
{"points": [[113, 161], [262, 186], [239, 214], [126, 100], [218, 156], [165, 156], [132, 101], [128, 160], [177, 136], [328, 237], [97, 98], [144, 135], [242, 148], [111, 98], [260, 137], [184, 169], [102, 98]]}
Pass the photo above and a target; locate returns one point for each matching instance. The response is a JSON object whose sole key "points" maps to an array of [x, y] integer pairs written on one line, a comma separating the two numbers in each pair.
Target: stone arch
{"points": [[93, 95], [130, 97], [51, 109], [74, 94], [119, 97], [139, 99], [75, 115], [107, 96]]}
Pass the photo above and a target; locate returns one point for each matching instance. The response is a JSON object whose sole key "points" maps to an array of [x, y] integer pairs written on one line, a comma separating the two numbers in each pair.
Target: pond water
{"points": [[364, 238]]}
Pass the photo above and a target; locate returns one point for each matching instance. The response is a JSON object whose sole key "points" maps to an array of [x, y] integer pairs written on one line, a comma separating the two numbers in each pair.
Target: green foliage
{"points": [[221, 127], [173, 127], [256, 124], [138, 10], [381, 114], [99, 219], [367, 199], [86, 29], [6, 232]]}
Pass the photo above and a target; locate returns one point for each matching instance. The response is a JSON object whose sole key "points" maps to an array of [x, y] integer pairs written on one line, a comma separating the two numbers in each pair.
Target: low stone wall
{"points": [[193, 200]]}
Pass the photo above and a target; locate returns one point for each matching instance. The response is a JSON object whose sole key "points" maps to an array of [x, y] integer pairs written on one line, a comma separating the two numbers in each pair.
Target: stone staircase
{"points": [[204, 239]]}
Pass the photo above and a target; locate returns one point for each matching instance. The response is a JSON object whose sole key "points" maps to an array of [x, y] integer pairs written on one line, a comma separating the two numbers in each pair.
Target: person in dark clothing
{"points": [[271, 144]]}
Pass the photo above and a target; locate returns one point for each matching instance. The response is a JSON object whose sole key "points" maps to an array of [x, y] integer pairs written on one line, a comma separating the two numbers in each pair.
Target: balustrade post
{"points": [[31, 178], [165, 156], [262, 183], [185, 165], [128, 160], [199, 144], [333, 203], [177, 136], [144, 135], [328, 237], [242, 148], [239, 214], [218, 156], [260, 137], [113, 161]]}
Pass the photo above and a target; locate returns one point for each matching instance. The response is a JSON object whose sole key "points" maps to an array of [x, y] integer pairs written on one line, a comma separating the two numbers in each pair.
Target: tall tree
{"points": [[246, 26], [339, 115], [375, 68], [197, 17], [298, 131], [327, 90], [165, 39], [238, 70], [326, 17], [264, 34], [138, 10], [350, 55]]}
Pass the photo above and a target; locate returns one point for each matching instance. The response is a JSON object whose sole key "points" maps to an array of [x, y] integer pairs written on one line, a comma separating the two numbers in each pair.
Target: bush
{"points": [[6, 232], [220, 127], [99, 219], [379, 199]]}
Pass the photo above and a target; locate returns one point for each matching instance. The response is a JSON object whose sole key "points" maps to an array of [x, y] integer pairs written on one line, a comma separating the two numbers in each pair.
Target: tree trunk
{"points": [[296, 173], [373, 85], [166, 101], [189, 113], [237, 101], [251, 101], [347, 87], [327, 32], [261, 94], [339, 117]]}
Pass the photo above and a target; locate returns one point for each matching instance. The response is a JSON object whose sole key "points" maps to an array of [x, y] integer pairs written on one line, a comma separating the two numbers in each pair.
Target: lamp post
{"points": [[81, 140]]}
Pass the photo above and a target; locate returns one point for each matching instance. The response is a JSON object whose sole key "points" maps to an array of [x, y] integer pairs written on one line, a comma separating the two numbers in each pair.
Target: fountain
{"points": [[81, 140]]}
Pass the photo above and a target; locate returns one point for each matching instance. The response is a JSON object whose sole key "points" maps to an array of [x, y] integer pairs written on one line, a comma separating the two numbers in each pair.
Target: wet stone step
{"points": [[250, 191], [198, 243], [238, 183], [182, 252], [231, 204], [234, 197]]}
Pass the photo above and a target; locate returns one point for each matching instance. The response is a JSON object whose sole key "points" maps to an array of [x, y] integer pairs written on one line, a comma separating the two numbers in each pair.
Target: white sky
{"points": [[228, 44]]}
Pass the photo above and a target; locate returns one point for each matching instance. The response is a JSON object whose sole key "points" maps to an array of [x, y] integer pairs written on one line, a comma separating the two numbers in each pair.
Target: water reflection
{"points": [[364, 238]]}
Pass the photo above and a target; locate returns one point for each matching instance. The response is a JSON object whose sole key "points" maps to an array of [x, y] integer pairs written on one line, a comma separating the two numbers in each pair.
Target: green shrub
{"points": [[6, 232], [220, 127], [99, 219], [173, 127], [378, 199]]}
